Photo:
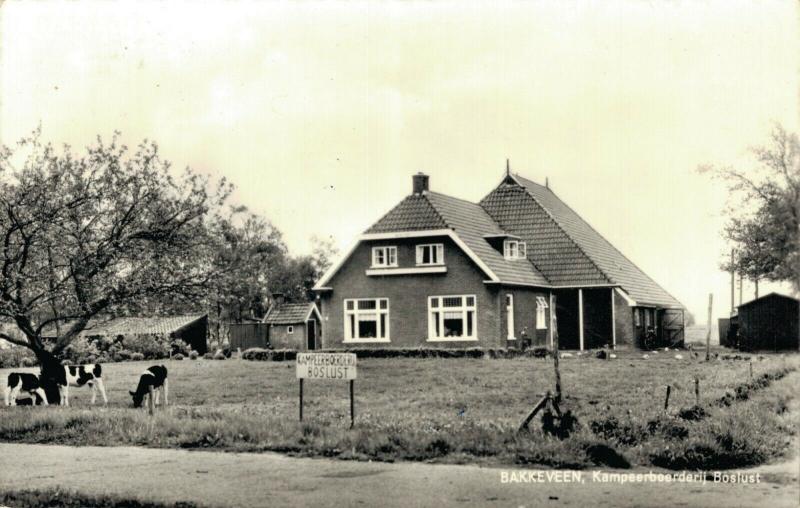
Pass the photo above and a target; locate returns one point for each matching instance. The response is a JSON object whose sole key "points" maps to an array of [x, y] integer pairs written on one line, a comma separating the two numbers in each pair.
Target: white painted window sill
{"points": [[365, 341], [406, 271], [454, 339]]}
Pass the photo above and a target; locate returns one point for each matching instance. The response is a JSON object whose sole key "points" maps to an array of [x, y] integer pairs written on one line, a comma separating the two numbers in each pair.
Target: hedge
{"points": [[278, 355]]}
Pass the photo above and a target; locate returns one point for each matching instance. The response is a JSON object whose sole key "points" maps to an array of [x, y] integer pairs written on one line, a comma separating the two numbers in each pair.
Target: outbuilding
{"points": [[294, 326], [771, 322]]}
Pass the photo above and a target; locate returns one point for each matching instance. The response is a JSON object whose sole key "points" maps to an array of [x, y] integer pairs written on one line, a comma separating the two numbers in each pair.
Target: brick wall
{"points": [[525, 316], [408, 296]]}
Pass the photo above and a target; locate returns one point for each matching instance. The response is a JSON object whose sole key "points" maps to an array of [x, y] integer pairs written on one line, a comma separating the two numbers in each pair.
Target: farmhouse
{"points": [[192, 329], [508, 271], [771, 322]]}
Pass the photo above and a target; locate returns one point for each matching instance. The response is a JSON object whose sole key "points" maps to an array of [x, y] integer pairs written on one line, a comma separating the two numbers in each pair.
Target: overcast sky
{"points": [[321, 112]]}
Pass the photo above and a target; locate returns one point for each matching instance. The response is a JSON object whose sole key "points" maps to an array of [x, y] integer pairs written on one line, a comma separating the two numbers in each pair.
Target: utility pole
{"points": [[733, 283], [741, 285], [708, 330]]}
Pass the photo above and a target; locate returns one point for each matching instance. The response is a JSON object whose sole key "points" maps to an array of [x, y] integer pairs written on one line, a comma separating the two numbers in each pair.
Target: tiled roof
{"points": [[288, 313], [414, 213], [549, 247], [562, 248], [471, 222], [132, 325], [610, 262]]}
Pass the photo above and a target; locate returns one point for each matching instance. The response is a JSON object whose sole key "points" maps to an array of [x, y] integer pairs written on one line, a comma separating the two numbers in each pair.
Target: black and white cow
{"points": [[81, 375], [154, 377], [24, 382]]}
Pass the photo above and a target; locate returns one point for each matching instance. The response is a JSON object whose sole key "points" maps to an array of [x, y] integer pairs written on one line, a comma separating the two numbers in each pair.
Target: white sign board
{"points": [[337, 366]]}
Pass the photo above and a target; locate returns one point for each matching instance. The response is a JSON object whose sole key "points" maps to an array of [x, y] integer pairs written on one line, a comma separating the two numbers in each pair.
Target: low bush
{"points": [[208, 356], [137, 357], [66, 499], [178, 356], [16, 357], [193, 355], [219, 355], [276, 355]]}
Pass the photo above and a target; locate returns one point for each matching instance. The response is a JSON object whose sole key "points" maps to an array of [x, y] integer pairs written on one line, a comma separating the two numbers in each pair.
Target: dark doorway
{"points": [[597, 324], [311, 326], [567, 319]]}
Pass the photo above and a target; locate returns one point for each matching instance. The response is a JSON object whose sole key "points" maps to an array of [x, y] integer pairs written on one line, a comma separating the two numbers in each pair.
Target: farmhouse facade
{"points": [[513, 270]]}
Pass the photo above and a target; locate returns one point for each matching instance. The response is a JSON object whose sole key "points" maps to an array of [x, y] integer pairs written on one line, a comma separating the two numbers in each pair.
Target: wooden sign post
{"points": [[331, 367]]}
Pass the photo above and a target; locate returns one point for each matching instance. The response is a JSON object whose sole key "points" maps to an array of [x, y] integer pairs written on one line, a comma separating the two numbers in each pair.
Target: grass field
{"points": [[454, 410]]}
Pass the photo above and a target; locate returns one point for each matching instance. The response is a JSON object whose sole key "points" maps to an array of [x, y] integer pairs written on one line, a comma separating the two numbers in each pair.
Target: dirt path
{"points": [[233, 479]]}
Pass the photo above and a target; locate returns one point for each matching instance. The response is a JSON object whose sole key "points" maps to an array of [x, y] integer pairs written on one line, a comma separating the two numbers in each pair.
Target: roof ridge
{"points": [[558, 224], [601, 237], [436, 210]]}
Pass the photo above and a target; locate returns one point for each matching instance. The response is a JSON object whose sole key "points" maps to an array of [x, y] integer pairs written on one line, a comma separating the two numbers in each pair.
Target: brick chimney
{"points": [[420, 181]]}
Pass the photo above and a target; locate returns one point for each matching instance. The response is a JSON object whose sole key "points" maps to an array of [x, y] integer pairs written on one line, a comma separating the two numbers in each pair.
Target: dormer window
{"points": [[384, 257], [514, 249], [431, 254]]}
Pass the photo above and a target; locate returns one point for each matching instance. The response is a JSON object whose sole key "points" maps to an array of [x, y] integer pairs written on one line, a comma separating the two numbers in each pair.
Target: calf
{"points": [[154, 378], [80, 375], [24, 382]]}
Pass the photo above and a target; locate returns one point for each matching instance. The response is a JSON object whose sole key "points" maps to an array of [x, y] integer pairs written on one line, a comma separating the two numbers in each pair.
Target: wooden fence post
{"points": [[554, 324], [666, 400], [697, 391], [751, 371], [542, 403]]}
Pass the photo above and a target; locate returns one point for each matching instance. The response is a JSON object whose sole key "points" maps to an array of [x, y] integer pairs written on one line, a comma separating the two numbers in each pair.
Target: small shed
{"points": [[771, 322], [294, 326]]}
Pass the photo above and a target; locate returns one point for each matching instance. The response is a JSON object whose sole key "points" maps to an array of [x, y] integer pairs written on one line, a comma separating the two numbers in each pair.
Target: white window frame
{"points": [[437, 248], [290, 329], [464, 309], [541, 313], [351, 332], [384, 256], [510, 317], [514, 249]]}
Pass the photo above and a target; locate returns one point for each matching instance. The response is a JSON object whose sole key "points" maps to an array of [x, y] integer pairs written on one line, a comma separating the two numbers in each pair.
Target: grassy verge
{"points": [[471, 415], [55, 498]]}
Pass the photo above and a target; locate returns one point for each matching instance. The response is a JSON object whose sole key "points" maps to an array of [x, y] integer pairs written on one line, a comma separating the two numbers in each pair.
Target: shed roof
{"points": [[133, 325], [289, 313], [768, 296]]}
